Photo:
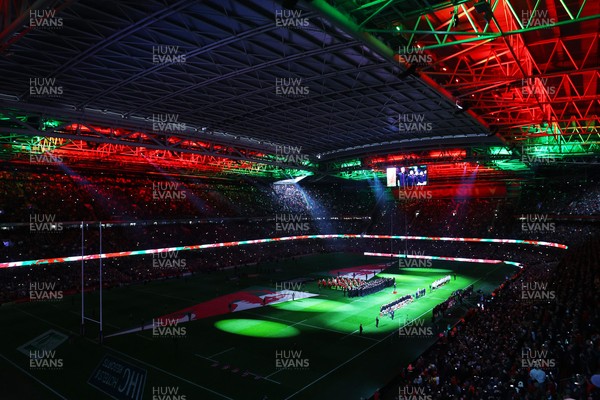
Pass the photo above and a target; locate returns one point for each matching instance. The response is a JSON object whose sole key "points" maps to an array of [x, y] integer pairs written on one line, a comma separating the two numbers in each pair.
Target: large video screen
{"points": [[407, 176]]}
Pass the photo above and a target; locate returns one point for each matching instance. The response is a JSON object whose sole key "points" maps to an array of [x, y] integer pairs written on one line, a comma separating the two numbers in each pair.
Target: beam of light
{"points": [[290, 181], [379, 193], [271, 240], [377, 186], [473, 260], [318, 213], [199, 204], [468, 181], [93, 190]]}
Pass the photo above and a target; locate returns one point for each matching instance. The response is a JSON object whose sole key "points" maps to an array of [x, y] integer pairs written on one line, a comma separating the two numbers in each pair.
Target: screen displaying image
{"points": [[407, 176]]}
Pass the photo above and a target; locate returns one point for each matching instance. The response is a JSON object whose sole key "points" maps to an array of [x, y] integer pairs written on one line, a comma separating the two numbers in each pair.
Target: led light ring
{"points": [[269, 240], [473, 260]]}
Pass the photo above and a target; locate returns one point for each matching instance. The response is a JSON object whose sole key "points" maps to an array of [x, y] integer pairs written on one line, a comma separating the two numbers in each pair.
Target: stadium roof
{"points": [[337, 79]]}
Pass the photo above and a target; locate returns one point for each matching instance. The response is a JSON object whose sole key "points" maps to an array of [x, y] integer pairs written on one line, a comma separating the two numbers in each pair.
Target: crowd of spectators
{"points": [[109, 197], [515, 348], [237, 261], [456, 297], [558, 204], [217, 211], [563, 197], [482, 357]]}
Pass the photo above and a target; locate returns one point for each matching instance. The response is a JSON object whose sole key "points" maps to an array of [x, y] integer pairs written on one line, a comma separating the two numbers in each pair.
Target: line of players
{"points": [[442, 281], [390, 307]]}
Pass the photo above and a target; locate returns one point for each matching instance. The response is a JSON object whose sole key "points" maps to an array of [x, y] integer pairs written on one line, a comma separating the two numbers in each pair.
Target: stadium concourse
{"points": [[299, 199]]}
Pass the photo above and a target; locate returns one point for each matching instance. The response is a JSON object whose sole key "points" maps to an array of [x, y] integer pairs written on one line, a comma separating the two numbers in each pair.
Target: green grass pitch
{"points": [[234, 356]]}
